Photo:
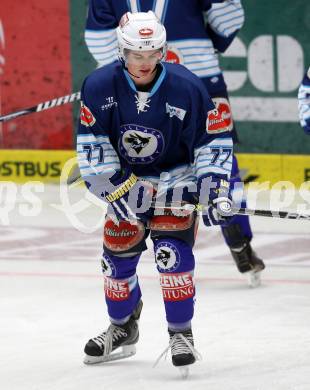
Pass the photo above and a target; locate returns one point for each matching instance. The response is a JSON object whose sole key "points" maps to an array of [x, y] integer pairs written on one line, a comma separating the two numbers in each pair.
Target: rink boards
{"points": [[47, 166]]}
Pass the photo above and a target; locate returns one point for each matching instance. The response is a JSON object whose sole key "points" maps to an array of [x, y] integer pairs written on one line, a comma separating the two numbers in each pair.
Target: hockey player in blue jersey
{"points": [[147, 125], [195, 44], [304, 102]]}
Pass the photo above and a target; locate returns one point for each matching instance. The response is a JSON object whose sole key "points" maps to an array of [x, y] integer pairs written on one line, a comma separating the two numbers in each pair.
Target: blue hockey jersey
{"points": [[304, 102], [164, 130], [192, 41]]}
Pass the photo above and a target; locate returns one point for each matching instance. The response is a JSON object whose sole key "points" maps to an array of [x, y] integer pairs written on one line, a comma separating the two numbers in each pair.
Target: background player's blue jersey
{"points": [[164, 130], [304, 102], [192, 41]]}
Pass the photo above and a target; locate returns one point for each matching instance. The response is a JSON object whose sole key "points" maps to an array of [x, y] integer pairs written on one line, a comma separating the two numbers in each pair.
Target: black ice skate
{"points": [[183, 352], [248, 262], [100, 348]]}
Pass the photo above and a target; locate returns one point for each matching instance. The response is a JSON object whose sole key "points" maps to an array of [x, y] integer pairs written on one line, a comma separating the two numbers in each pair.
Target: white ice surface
{"points": [[52, 302]]}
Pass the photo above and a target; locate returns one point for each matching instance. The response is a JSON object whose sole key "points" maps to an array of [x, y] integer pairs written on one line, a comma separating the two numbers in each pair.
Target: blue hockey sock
{"points": [[175, 263], [121, 286]]}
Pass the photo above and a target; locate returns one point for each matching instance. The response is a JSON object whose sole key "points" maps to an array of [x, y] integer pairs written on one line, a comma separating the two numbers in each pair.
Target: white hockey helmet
{"points": [[140, 31]]}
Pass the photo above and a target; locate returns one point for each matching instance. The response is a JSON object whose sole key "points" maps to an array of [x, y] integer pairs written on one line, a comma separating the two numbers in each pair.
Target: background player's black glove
{"points": [[130, 198], [306, 127], [216, 196]]}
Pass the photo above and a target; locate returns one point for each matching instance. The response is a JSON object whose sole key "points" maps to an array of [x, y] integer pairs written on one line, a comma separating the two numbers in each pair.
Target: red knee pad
{"points": [[123, 238]]}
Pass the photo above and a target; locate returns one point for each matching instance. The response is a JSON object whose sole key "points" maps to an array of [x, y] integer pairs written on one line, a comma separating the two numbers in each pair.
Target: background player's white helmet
{"points": [[140, 31]]}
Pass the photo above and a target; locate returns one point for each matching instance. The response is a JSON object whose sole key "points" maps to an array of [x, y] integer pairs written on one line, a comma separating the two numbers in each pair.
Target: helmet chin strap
{"points": [[138, 77], [124, 63]]}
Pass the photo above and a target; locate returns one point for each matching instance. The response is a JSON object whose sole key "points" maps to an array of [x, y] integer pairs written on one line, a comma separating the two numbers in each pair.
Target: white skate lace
{"points": [[142, 101], [106, 339], [179, 344]]}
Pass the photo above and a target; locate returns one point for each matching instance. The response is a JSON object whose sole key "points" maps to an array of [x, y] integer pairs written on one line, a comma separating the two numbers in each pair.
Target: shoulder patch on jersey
{"points": [[220, 119], [174, 56], [86, 116]]}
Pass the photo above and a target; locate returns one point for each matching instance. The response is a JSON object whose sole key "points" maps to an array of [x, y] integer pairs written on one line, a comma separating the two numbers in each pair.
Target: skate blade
{"points": [[254, 278], [126, 352], [184, 370]]}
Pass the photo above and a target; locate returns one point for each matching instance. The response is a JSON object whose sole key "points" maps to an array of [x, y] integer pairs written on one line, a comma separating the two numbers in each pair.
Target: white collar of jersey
{"points": [[155, 86]]}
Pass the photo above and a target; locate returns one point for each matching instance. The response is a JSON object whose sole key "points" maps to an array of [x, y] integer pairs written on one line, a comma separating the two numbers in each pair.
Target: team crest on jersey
{"points": [[167, 257], [175, 111], [107, 266], [139, 144], [86, 116], [220, 119], [174, 56]]}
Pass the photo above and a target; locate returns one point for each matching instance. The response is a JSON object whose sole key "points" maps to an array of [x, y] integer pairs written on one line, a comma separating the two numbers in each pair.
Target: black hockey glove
{"points": [[306, 126]]}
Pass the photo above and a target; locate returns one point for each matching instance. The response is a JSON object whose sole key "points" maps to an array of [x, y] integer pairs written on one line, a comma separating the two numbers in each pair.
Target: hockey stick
{"points": [[189, 208], [75, 179], [271, 213], [43, 106]]}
